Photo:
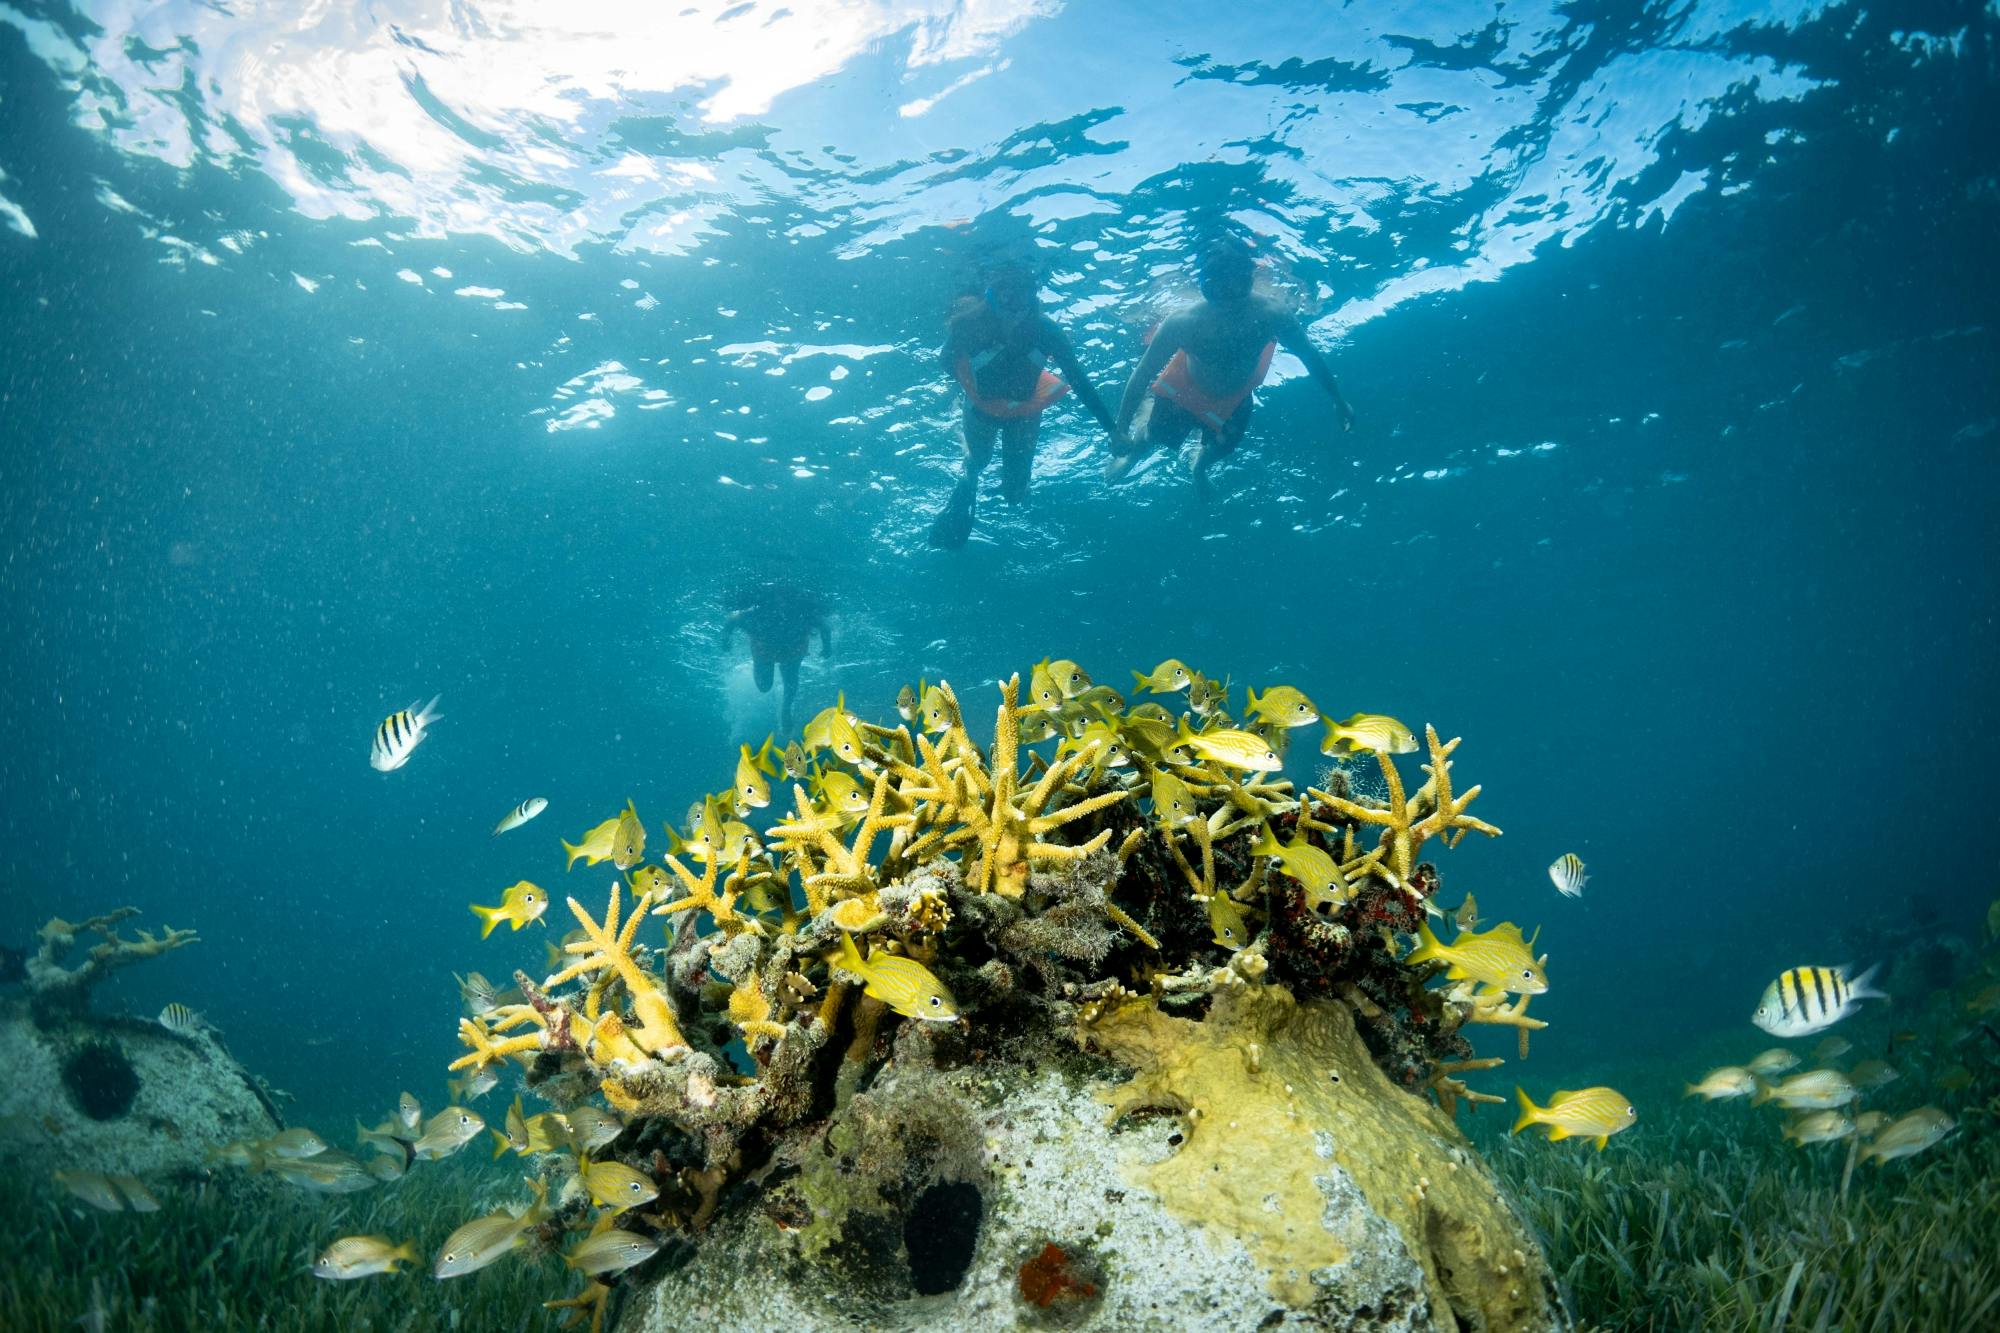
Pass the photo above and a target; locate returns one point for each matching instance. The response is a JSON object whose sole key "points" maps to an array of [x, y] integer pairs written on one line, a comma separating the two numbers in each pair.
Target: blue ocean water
{"points": [[358, 354]]}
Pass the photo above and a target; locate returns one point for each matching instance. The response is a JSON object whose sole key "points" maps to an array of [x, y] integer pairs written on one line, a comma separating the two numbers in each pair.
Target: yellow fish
{"points": [[937, 709], [617, 1186], [1819, 1127], [1225, 922], [1173, 803], [841, 736], [1909, 1135], [1774, 1061], [1593, 1113], [611, 1251], [1467, 915], [362, 1256], [1043, 693], [1283, 706], [519, 905], [1814, 1090], [1206, 697], [595, 846], [628, 844], [903, 984], [1309, 865], [1166, 678], [906, 703], [1368, 731], [1720, 1084], [753, 789], [1230, 748], [1498, 957], [1069, 677]]}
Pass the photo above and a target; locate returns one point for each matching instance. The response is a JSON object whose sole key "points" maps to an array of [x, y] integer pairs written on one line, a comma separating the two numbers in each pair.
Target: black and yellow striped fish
{"points": [[399, 736], [177, 1017], [1804, 1000]]}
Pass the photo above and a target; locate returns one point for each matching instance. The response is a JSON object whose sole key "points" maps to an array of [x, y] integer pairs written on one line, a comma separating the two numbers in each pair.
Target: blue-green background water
{"points": [[1670, 329]]}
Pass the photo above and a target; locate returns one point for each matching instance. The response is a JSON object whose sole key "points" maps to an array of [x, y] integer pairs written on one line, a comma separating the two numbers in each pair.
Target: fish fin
{"points": [[1556, 1133], [1427, 944], [1863, 986], [575, 851], [489, 917], [500, 1144], [407, 1252], [429, 714], [849, 958], [1762, 1095], [1251, 705], [1529, 1112], [1602, 1139], [1691, 1089]]}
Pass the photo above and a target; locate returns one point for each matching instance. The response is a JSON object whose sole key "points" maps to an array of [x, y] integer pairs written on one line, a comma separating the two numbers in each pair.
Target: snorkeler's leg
{"points": [[1216, 445], [760, 671], [790, 671], [1017, 457], [954, 525]]}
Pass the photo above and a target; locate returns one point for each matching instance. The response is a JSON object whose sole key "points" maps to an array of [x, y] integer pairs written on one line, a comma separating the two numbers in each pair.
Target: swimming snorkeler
{"points": [[996, 346], [779, 619], [1204, 364]]}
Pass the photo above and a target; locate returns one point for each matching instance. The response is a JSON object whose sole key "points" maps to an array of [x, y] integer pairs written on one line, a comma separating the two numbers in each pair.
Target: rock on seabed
{"points": [[1251, 1169]]}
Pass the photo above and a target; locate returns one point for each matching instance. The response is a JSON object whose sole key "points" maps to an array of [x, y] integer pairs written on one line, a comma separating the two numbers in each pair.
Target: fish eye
{"points": [[1528, 972], [936, 1002]]}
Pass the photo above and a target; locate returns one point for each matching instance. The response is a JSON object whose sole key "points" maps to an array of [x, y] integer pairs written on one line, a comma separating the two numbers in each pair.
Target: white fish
{"points": [[179, 1019], [521, 814], [1568, 874], [399, 736], [1804, 1000]]}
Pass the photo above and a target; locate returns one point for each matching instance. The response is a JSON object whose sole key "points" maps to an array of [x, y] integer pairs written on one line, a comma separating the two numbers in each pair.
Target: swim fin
{"points": [[953, 527]]}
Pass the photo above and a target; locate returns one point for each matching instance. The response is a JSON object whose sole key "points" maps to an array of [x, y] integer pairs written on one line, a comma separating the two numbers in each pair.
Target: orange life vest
{"points": [[1176, 385], [1047, 390]]}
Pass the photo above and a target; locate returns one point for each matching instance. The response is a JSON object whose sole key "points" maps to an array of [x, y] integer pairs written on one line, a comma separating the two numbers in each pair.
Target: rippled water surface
{"points": [[359, 352]]}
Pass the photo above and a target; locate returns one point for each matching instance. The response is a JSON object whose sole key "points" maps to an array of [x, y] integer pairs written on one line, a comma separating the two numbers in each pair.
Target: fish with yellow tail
{"points": [[628, 840], [1909, 1135], [1814, 1090], [1070, 678], [615, 1185], [362, 1256], [486, 1240], [903, 984], [1721, 1084], [1499, 957], [1368, 731], [1169, 677], [1805, 1000], [1226, 925], [520, 904], [1309, 865], [1229, 747], [753, 786], [1590, 1113], [1283, 706], [521, 814], [595, 846], [399, 735]]}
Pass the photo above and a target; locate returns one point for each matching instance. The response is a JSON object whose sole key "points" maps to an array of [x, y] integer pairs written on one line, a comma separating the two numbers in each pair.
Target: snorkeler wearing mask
{"points": [[998, 346], [1204, 364]]}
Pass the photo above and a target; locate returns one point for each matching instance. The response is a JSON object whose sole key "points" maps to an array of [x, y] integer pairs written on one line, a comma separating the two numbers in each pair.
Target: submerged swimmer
{"points": [[997, 347], [779, 619], [1204, 364]]}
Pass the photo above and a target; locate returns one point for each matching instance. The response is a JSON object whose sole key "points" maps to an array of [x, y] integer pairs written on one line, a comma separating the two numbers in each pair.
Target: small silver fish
{"points": [[448, 1131], [137, 1196], [329, 1172], [611, 1251], [362, 1256], [410, 1111], [93, 1188], [521, 814], [594, 1127]]}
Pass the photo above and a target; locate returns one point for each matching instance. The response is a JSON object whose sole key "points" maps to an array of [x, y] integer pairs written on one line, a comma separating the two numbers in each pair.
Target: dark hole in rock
{"points": [[101, 1080], [940, 1233]]}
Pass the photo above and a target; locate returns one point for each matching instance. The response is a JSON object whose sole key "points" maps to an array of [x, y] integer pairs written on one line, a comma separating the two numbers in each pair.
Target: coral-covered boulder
{"points": [[1249, 1169]]}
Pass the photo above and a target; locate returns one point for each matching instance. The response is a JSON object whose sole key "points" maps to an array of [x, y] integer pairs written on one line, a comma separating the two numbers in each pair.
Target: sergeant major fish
{"points": [[1568, 874], [399, 735], [1805, 1000]]}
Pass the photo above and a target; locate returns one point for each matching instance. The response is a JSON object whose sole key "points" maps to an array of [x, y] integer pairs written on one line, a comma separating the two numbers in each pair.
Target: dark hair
{"points": [[1012, 280], [1227, 269]]}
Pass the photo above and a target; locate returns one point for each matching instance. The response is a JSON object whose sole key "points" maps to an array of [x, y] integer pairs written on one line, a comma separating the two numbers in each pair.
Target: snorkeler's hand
{"points": [[1346, 416]]}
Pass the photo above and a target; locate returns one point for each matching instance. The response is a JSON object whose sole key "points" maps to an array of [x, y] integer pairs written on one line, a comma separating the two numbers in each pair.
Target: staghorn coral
{"points": [[53, 986], [1043, 890]]}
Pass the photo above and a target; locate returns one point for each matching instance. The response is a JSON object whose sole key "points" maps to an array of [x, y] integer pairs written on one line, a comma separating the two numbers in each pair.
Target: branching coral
{"points": [[994, 876], [54, 986]]}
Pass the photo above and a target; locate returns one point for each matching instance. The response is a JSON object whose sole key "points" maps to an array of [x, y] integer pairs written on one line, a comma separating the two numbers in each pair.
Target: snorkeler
{"points": [[996, 347], [1204, 364], [779, 620]]}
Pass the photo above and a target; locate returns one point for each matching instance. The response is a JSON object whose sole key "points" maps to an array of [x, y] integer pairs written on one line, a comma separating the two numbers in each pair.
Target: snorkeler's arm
{"points": [[730, 624], [1064, 356], [1167, 340], [1292, 337]]}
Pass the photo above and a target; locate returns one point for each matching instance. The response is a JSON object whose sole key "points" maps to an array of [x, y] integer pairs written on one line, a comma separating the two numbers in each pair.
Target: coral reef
{"points": [[54, 986], [1146, 900]]}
